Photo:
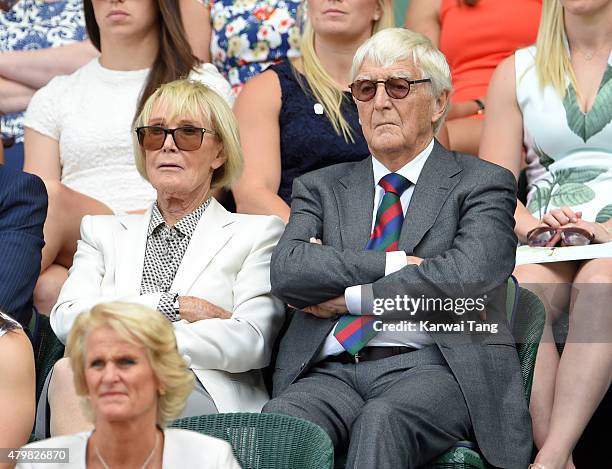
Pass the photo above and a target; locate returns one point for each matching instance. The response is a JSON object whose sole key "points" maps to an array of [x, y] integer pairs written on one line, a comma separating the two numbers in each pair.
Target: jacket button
{"points": [[302, 365]]}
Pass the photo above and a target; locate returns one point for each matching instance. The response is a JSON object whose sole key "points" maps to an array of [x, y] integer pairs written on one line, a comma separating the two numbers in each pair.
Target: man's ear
{"points": [[439, 107]]}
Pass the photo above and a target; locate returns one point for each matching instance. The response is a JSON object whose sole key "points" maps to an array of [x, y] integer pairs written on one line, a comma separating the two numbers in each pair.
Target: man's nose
{"points": [[381, 98]]}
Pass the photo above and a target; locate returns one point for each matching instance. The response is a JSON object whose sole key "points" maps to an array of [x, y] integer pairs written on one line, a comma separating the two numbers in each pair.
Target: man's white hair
{"points": [[392, 45]]}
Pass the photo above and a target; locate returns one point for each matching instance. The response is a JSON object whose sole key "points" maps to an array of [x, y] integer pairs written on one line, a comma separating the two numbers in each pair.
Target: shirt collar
{"points": [[185, 225], [411, 170]]}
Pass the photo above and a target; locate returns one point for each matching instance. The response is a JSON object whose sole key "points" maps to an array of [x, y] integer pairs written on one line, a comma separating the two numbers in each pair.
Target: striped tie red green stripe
{"points": [[354, 332]]}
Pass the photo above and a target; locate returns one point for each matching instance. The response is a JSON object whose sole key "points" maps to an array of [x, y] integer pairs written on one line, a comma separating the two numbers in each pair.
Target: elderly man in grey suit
{"points": [[414, 220]]}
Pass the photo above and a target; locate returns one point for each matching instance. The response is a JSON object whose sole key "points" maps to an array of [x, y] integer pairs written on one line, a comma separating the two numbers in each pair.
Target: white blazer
{"points": [[227, 263]]}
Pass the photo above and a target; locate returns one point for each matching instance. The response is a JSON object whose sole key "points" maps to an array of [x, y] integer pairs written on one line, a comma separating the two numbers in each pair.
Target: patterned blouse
{"points": [[166, 246], [38, 24], [250, 35]]}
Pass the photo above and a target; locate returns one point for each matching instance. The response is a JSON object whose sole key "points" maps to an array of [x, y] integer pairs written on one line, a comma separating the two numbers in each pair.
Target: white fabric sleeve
{"points": [[395, 261], [208, 74], [44, 113]]}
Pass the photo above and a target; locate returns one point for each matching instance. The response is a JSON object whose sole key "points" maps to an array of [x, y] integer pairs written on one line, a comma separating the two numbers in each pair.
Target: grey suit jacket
{"points": [[460, 220]]}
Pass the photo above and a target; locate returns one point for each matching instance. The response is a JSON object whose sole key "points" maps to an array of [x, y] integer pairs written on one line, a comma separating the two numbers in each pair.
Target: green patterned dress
{"points": [[569, 153]]}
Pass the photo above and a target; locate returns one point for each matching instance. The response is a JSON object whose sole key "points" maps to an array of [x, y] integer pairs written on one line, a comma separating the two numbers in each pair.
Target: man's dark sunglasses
{"points": [[152, 137], [396, 88]]}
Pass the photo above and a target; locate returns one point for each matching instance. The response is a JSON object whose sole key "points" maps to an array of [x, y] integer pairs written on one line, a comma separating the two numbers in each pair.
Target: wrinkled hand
{"points": [[194, 309], [328, 309], [413, 260]]}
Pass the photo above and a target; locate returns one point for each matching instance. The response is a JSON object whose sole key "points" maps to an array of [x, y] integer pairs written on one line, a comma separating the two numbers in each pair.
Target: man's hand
{"points": [[413, 260], [328, 309], [194, 309]]}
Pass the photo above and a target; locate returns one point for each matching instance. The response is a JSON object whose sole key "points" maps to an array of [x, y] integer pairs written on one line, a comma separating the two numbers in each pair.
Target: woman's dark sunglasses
{"points": [[152, 137], [570, 236], [396, 88]]}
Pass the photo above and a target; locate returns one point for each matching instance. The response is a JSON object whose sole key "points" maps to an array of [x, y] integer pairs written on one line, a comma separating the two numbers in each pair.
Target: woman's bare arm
{"points": [[257, 109], [196, 21], [423, 16], [34, 68], [17, 390], [502, 139]]}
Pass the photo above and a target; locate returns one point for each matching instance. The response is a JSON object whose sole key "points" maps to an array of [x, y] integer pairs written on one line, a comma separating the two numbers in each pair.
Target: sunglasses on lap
{"points": [[570, 236]]}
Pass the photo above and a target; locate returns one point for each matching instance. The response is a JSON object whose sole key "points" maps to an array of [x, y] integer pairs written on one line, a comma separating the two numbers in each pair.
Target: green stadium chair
{"points": [[267, 441], [526, 317]]}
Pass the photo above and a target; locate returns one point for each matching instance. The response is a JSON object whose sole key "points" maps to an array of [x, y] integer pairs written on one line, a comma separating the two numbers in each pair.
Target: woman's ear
{"points": [[220, 158]]}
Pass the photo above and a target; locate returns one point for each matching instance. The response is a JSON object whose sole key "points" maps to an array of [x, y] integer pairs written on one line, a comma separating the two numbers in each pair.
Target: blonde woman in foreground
{"points": [[132, 382]]}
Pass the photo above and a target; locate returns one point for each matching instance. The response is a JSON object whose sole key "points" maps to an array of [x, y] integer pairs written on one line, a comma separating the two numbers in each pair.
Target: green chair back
{"points": [[525, 313], [267, 441], [47, 348]]}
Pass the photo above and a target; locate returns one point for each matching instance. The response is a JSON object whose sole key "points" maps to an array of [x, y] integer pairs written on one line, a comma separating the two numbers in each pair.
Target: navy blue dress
{"points": [[307, 139]]}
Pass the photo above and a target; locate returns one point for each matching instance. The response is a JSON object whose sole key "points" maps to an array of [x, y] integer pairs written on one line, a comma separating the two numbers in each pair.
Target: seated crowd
{"points": [[236, 236]]}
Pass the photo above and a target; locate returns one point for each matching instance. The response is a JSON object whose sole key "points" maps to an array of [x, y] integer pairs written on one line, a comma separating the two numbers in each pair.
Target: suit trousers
{"points": [[397, 412]]}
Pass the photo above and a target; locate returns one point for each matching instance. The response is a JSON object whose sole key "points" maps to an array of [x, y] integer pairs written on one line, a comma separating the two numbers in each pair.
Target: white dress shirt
{"points": [[395, 261]]}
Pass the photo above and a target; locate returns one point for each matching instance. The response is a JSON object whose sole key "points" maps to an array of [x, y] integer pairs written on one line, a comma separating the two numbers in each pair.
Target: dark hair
{"points": [[6, 325], [174, 58]]}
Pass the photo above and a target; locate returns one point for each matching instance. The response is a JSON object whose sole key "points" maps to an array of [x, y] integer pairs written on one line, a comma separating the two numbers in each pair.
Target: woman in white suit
{"points": [[205, 269]]}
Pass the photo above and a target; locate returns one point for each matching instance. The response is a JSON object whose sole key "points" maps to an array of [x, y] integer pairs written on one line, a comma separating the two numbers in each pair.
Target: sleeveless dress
{"points": [[307, 139], [569, 153], [475, 39], [250, 35]]}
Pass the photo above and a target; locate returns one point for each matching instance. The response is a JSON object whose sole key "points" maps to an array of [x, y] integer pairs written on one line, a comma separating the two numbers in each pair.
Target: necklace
{"points": [[147, 461], [588, 55]]}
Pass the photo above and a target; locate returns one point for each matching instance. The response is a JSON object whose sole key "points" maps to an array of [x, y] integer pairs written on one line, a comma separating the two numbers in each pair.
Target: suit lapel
{"points": [[211, 234], [130, 245], [431, 191], [355, 198]]}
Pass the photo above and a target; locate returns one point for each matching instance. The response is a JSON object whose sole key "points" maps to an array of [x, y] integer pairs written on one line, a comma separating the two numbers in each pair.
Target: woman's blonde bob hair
{"points": [[321, 84], [193, 99], [144, 327], [553, 61], [393, 45]]}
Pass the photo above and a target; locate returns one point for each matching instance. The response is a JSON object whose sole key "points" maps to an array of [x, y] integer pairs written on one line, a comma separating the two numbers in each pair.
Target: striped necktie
{"points": [[354, 332]]}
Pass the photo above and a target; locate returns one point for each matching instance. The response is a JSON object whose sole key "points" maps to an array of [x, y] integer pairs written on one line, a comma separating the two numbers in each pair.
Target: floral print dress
{"points": [[250, 35], [569, 153], [38, 24]]}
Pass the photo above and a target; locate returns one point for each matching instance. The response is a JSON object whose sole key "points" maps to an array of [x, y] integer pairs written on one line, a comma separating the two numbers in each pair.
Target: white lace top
{"points": [[90, 114]]}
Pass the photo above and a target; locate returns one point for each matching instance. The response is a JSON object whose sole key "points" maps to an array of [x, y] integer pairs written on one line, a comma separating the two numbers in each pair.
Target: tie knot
{"points": [[395, 183]]}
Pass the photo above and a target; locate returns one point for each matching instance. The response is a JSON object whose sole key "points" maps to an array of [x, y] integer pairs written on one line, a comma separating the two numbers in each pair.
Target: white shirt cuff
{"points": [[352, 298], [395, 261]]}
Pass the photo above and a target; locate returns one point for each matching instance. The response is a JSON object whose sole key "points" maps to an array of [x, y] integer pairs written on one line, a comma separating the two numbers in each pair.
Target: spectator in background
{"points": [[133, 382], [242, 38], [554, 98], [207, 271], [299, 116], [474, 35], [23, 207], [31, 33], [17, 385], [78, 137]]}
